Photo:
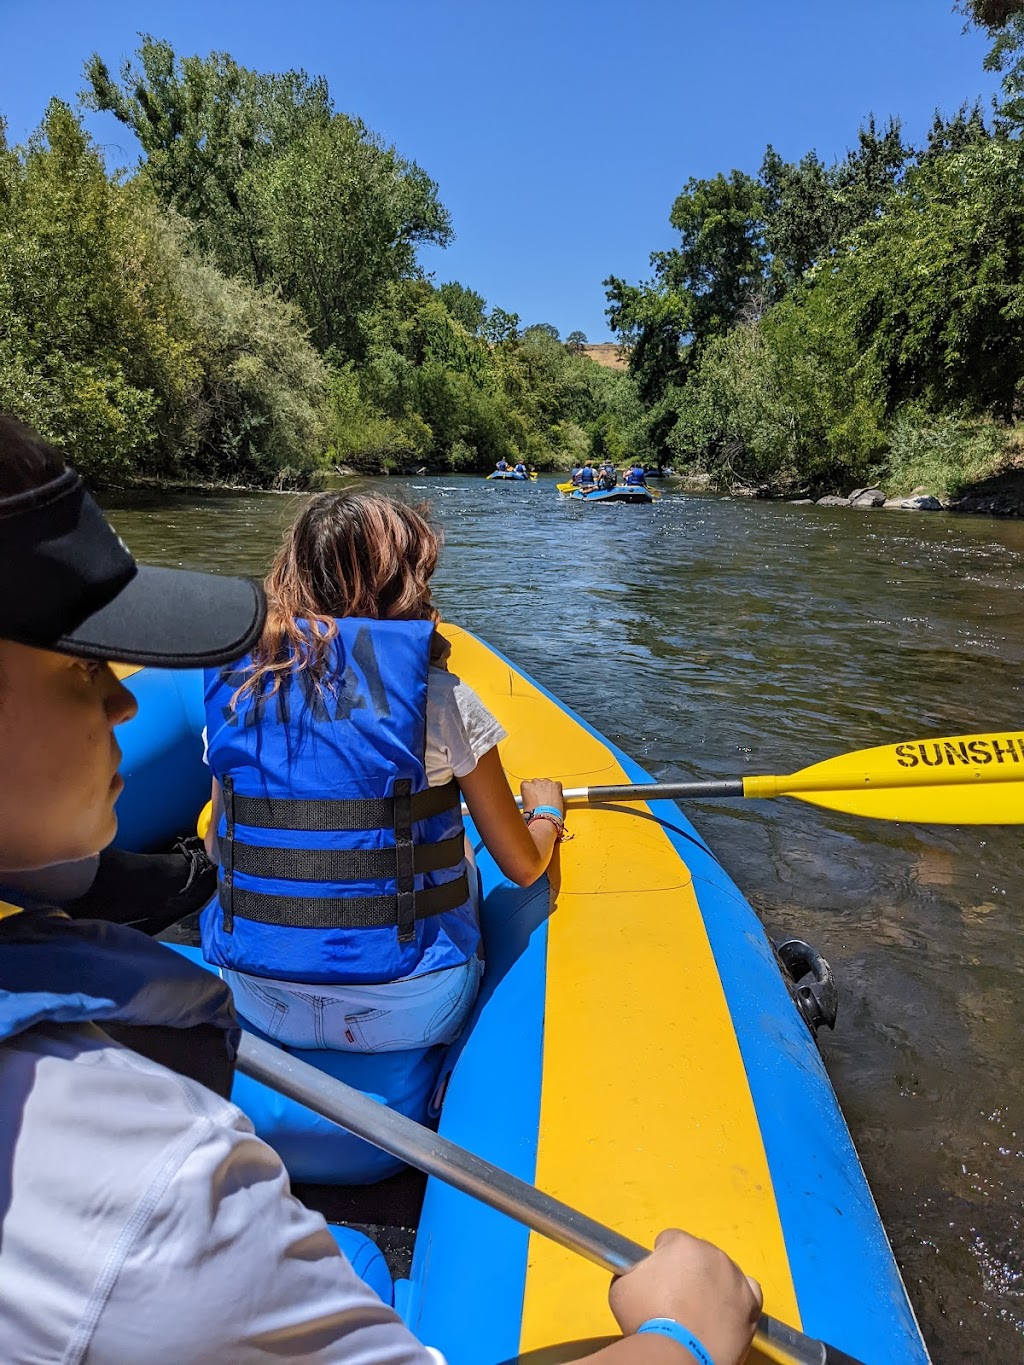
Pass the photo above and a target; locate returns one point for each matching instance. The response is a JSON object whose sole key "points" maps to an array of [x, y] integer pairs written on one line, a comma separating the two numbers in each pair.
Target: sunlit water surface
{"points": [[712, 638]]}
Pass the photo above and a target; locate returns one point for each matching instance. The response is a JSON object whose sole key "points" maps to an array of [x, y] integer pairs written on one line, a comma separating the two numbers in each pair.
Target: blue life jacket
{"points": [[502, 464], [635, 476], [56, 971], [339, 864], [587, 475], [520, 469]]}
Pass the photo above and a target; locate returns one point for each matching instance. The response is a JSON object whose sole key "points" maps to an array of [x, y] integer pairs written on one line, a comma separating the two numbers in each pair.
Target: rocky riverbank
{"points": [[999, 494], [1002, 495]]}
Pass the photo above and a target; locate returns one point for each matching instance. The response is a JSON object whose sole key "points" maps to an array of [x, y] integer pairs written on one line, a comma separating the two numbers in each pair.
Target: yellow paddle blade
{"points": [[565, 487], [963, 780], [203, 822]]}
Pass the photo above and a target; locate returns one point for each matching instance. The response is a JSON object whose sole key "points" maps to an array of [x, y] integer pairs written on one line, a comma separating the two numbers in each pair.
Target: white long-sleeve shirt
{"points": [[142, 1221]]}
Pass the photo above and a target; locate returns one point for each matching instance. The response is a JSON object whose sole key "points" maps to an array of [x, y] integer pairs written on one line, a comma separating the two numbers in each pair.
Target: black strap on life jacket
{"points": [[402, 862]]}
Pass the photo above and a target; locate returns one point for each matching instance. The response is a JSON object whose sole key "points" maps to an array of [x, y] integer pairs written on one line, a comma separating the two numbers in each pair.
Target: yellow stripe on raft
{"points": [[646, 1116]]}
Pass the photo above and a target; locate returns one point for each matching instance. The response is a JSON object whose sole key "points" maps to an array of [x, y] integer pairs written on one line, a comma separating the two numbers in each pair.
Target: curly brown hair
{"points": [[346, 554]]}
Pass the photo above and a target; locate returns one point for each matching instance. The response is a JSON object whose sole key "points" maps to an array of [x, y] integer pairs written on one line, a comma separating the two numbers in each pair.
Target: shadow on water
{"points": [[716, 638]]}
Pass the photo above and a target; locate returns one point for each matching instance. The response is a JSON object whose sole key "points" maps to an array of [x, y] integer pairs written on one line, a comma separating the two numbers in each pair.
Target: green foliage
{"points": [[720, 261], [990, 14], [126, 351], [161, 326], [500, 326], [826, 325], [651, 322], [465, 305], [281, 189], [809, 208], [942, 453], [773, 405], [933, 292]]}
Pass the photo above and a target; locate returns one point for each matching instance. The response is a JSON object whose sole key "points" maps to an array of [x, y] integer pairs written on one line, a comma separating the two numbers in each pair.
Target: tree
{"points": [[334, 213], [651, 322], [282, 190], [204, 123], [500, 326], [575, 342], [809, 208], [990, 14], [127, 351], [721, 257], [933, 291], [801, 216], [465, 305]]}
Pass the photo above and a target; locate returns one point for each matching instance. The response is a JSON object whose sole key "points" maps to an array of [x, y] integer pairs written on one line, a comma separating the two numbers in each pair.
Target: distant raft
{"points": [[635, 1049], [622, 492], [511, 475]]}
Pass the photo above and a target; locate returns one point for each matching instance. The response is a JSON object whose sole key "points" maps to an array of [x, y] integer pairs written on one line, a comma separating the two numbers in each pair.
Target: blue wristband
{"points": [[549, 810], [668, 1327]]}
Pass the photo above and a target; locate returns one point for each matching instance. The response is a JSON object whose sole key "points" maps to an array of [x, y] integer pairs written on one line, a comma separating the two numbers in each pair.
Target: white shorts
{"points": [[392, 1017]]}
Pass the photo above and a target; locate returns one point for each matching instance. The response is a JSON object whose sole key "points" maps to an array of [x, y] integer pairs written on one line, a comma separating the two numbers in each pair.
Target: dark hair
{"points": [[347, 554], [26, 460]]}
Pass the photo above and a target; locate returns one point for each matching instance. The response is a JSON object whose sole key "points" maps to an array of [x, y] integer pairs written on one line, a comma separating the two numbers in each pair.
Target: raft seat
{"points": [[314, 1150]]}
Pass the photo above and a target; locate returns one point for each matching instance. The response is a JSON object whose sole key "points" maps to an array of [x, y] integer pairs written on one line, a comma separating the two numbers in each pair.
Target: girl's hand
{"points": [[542, 791]]}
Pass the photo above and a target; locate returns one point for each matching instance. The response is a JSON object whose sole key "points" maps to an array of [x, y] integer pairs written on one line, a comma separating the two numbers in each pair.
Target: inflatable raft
{"points": [[510, 474], [635, 1051], [622, 492]]}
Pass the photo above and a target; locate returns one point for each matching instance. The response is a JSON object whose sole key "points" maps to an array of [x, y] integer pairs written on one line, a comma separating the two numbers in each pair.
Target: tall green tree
{"points": [[205, 123], [336, 211], [933, 291], [282, 189], [464, 304], [719, 264], [125, 349], [809, 208]]}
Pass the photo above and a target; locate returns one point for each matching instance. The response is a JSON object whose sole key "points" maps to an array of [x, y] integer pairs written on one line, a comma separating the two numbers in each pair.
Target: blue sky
{"points": [[559, 131]]}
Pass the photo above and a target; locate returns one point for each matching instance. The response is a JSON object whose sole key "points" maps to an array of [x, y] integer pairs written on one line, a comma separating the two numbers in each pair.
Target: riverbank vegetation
{"points": [[246, 304], [821, 326]]}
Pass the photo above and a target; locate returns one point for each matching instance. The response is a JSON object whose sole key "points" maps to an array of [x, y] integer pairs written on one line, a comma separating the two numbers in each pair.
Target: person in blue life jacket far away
{"points": [[608, 476], [137, 1198], [521, 469], [636, 476], [587, 477], [502, 465]]}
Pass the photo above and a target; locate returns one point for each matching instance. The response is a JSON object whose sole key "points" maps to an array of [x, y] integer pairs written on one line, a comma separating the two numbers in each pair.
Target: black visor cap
{"points": [[68, 583]]}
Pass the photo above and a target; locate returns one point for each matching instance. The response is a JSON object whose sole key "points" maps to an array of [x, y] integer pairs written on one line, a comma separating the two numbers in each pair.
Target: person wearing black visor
{"points": [[140, 1219]]}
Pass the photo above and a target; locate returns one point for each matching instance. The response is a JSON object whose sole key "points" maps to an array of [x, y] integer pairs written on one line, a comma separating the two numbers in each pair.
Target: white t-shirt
{"points": [[460, 729]]}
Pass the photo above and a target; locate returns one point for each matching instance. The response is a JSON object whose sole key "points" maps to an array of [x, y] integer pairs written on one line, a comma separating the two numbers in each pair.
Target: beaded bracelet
{"points": [[560, 835]]}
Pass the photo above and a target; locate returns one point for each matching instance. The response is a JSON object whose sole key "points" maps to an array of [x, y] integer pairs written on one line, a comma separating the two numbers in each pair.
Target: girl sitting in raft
{"points": [[346, 915]]}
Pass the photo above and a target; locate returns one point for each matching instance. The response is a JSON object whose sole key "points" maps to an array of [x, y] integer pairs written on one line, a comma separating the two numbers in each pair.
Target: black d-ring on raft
{"points": [[810, 982]]}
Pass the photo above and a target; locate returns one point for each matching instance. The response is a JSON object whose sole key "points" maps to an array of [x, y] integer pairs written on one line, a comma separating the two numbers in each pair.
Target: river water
{"points": [[712, 637]]}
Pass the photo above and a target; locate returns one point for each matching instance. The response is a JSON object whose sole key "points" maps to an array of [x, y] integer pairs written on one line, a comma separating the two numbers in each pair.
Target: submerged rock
{"points": [[832, 501], [801, 502]]}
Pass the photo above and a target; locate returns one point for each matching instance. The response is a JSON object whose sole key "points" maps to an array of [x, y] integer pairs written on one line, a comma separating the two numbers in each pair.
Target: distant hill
{"points": [[609, 354]]}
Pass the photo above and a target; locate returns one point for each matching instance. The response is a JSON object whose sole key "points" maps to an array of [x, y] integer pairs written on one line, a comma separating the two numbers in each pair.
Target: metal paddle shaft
{"points": [[655, 791], [418, 1146]]}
